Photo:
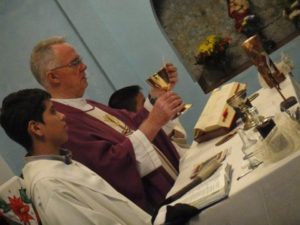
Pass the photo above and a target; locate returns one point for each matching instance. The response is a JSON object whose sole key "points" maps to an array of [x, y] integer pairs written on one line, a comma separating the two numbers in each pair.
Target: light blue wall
{"points": [[119, 40], [22, 24]]}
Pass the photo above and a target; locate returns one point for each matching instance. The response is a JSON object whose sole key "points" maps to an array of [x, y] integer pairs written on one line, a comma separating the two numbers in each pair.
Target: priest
{"points": [[129, 150]]}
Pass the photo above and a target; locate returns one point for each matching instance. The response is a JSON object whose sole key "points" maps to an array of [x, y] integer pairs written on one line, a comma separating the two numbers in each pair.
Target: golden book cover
{"points": [[217, 117]]}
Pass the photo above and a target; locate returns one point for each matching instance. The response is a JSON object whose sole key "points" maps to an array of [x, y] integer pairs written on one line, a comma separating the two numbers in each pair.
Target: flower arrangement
{"points": [[19, 208], [212, 50]]}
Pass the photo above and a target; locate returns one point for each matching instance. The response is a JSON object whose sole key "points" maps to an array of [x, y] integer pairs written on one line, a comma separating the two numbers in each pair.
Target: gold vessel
{"points": [[161, 80], [262, 61]]}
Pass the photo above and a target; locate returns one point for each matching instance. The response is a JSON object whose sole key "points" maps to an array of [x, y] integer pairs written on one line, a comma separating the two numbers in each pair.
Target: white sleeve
{"points": [[73, 213], [146, 156], [63, 208]]}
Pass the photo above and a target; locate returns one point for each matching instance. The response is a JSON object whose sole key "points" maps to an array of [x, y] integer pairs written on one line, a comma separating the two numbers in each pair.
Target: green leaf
{"points": [[24, 196], [4, 206]]}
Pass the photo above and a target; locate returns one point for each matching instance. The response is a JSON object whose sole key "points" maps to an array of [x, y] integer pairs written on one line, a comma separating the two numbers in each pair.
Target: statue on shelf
{"points": [[248, 23], [238, 10]]}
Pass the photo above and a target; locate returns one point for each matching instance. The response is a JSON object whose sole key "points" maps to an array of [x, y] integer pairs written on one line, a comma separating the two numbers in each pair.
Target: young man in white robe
{"points": [[63, 191]]}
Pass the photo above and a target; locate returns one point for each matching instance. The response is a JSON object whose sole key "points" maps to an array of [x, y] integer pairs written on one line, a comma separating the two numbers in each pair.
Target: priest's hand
{"points": [[172, 73], [166, 107]]}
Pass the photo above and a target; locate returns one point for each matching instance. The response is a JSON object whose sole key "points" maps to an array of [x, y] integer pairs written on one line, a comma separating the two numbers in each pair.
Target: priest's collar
{"points": [[65, 156], [78, 103]]}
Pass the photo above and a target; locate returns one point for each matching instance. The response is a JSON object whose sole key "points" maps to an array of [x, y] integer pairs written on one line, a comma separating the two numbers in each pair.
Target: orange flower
{"points": [[20, 209]]}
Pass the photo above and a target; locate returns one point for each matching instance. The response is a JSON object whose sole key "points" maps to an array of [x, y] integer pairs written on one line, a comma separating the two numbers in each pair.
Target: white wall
{"points": [[6, 172]]}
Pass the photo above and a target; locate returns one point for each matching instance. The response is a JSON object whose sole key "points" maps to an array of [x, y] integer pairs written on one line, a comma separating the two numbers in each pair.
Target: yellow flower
{"points": [[211, 48]]}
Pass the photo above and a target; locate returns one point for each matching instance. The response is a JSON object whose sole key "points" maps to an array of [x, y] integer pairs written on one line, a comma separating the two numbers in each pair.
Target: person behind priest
{"points": [[63, 190], [132, 99], [115, 144]]}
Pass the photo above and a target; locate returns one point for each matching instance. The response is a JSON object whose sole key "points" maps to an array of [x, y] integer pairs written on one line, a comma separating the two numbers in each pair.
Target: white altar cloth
{"points": [[269, 195]]}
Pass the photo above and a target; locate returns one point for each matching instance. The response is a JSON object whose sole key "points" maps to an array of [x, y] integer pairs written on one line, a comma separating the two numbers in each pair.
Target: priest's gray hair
{"points": [[42, 58]]}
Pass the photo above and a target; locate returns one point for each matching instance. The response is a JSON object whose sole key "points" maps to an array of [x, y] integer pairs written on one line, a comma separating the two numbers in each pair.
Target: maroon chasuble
{"points": [[110, 154]]}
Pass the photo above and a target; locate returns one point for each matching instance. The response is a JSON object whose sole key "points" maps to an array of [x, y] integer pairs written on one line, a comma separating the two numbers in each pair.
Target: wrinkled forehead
{"points": [[64, 51]]}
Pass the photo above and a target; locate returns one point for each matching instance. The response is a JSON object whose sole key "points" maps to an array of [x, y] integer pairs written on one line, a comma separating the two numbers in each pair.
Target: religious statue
{"points": [[247, 22]]}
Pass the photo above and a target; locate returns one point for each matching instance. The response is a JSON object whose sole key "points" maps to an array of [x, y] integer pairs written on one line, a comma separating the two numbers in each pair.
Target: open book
{"points": [[217, 117], [203, 185], [209, 191], [199, 186]]}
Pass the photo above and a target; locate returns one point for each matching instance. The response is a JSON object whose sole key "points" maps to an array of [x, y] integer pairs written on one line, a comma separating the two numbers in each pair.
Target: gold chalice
{"points": [[161, 80]]}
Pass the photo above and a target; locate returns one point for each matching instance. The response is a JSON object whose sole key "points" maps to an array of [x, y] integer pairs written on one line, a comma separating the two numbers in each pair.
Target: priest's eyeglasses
{"points": [[74, 63]]}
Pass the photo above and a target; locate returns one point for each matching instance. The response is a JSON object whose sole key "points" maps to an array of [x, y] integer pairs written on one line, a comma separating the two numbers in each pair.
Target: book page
{"points": [[209, 118], [202, 169], [216, 111], [211, 190]]}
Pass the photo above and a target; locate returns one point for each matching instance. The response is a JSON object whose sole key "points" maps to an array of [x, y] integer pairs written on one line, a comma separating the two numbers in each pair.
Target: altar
{"points": [[267, 195]]}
